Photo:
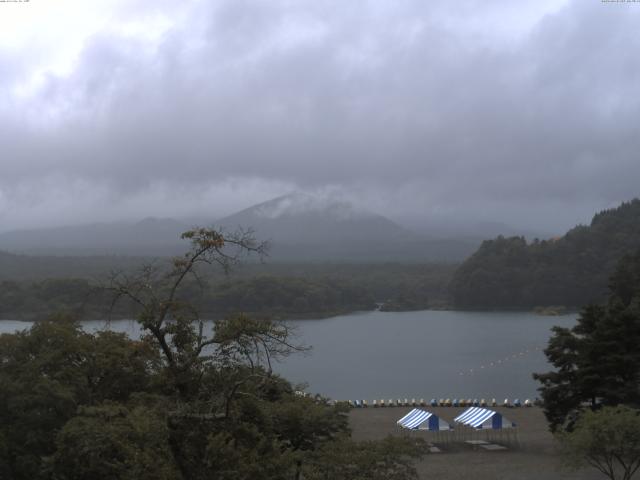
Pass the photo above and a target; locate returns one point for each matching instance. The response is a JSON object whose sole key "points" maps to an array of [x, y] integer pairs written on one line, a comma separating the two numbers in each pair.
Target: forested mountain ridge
{"points": [[571, 270], [297, 291]]}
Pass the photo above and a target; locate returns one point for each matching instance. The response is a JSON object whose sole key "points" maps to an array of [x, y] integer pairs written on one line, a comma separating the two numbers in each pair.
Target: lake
{"points": [[426, 354]]}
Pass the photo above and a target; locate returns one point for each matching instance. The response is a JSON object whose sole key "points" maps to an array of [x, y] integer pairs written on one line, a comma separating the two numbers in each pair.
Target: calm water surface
{"points": [[424, 354], [411, 354]]}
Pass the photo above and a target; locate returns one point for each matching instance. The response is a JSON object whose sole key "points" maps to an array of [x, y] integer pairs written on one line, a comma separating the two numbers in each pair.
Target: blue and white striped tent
{"points": [[418, 419], [482, 418]]}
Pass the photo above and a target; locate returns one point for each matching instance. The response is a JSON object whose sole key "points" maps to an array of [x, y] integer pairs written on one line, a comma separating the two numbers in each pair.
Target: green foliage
{"points": [[246, 454], [389, 459], [597, 362], [288, 296], [570, 271], [608, 440], [113, 441], [78, 405], [280, 291], [46, 373], [306, 423], [28, 300], [182, 403]]}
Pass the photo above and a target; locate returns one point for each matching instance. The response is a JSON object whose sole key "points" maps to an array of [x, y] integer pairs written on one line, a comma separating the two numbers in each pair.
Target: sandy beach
{"points": [[533, 457]]}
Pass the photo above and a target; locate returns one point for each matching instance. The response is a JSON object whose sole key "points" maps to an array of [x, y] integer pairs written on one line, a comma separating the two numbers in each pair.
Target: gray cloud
{"points": [[473, 110]]}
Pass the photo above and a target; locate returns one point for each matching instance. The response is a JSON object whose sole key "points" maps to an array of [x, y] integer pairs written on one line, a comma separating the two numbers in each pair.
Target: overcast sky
{"points": [[521, 112]]}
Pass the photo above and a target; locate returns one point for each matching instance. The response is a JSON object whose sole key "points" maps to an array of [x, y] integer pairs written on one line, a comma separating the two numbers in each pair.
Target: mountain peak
{"points": [[304, 204]]}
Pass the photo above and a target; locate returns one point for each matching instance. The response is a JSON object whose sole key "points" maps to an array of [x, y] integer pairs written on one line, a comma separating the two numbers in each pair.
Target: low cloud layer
{"points": [[469, 109]]}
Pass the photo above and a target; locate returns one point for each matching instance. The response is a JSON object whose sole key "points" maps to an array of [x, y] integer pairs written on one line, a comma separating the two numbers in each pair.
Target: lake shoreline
{"points": [[323, 316]]}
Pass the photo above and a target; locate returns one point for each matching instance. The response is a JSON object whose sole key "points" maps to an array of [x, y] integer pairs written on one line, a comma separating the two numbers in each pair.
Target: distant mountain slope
{"points": [[304, 219], [299, 227], [303, 227], [151, 236], [571, 270]]}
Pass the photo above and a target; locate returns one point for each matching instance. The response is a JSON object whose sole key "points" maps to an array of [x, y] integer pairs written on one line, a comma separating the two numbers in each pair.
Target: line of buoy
{"points": [[501, 361], [438, 403]]}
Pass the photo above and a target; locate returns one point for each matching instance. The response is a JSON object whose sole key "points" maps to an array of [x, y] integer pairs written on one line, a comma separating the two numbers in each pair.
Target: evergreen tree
{"points": [[597, 362], [571, 270]]}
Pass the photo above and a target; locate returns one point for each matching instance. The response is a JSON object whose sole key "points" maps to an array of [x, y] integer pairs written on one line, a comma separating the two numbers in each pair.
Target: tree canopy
{"points": [[597, 362], [571, 270], [260, 290], [181, 403], [608, 440]]}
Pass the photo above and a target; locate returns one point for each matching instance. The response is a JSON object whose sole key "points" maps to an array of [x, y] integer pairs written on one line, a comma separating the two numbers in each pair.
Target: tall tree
{"points": [[172, 323], [597, 362], [181, 403]]}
